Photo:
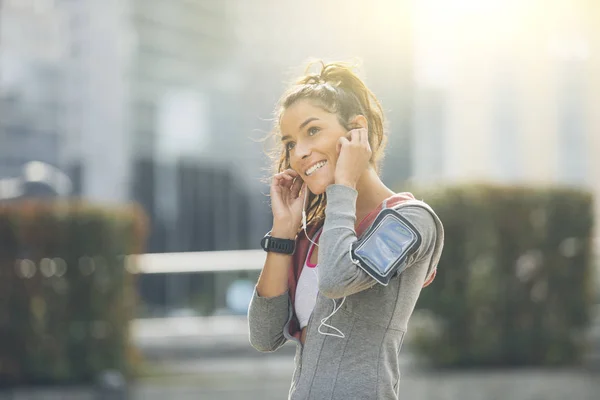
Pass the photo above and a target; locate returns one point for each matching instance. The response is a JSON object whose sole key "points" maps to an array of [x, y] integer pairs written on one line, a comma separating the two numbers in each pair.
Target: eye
{"points": [[313, 130], [289, 146]]}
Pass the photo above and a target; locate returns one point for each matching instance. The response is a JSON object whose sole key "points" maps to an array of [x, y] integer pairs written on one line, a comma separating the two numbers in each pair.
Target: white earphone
{"points": [[336, 308], [304, 215]]}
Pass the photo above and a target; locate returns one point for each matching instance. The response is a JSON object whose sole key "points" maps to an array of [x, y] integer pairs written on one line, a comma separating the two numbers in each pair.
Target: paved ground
{"points": [[524, 385], [211, 359], [268, 379]]}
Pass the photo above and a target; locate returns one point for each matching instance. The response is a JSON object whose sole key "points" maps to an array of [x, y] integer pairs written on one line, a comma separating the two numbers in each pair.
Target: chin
{"points": [[318, 187]]}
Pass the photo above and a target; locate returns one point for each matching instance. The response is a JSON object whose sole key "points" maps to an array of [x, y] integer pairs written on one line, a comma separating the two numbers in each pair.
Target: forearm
{"points": [[338, 276], [273, 280], [269, 308], [267, 317]]}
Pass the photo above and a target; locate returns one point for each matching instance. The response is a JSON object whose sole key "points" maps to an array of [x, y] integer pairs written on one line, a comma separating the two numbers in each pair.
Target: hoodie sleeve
{"points": [[338, 275], [267, 317]]}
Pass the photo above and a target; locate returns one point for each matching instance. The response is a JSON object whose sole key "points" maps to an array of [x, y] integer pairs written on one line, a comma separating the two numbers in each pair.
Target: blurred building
{"points": [[96, 145], [507, 92], [144, 84], [31, 79], [164, 102], [179, 134]]}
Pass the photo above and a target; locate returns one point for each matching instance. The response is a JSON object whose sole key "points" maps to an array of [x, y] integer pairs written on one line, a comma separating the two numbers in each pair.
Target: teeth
{"points": [[315, 167]]}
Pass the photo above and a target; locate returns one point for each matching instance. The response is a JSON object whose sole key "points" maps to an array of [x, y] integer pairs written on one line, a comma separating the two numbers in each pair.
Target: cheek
{"points": [[292, 162], [330, 144], [335, 151]]}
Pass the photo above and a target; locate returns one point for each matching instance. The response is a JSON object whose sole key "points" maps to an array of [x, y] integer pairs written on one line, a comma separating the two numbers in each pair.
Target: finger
{"points": [[296, 187], [289, 171], [281, 180], [355, 135], [287, 181], [275, 180], [364, 136], [286, 177], [282, 177], [290, 176], [292, 172], [341, 143]]}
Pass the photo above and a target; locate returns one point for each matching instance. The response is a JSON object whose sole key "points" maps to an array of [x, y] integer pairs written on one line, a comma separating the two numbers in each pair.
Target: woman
{"points": [[348, 327]]}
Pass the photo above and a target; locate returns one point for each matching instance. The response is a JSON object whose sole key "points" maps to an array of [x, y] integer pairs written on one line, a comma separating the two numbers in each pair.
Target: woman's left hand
{"points": [[354, 153]]}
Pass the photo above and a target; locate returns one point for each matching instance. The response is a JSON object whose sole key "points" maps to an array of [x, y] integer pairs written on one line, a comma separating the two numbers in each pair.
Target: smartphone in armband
{"points": [[385, 248]]}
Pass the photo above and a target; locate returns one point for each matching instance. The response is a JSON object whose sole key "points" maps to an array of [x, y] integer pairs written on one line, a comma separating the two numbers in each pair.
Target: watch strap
{"points": [[278, 245]]}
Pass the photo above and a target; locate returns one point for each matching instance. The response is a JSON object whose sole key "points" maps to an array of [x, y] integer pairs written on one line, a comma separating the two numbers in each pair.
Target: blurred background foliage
{"points": [[66, 291], [515, 284]]}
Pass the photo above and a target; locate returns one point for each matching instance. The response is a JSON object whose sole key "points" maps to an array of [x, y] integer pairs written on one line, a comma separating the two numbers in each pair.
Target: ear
{"points": [[359, 121]]}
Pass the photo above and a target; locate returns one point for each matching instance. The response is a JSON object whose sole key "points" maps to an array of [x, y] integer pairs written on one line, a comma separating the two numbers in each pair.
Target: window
{"points": [[507, 163], [571, 148]]}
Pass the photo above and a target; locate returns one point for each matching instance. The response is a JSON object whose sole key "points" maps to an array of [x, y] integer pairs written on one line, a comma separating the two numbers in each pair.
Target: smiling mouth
{"points": [[315, 167]]}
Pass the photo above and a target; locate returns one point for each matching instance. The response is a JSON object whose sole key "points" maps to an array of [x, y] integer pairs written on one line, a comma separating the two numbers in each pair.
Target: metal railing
{"points": [[196, 284], [218, 269], [201, 261]]}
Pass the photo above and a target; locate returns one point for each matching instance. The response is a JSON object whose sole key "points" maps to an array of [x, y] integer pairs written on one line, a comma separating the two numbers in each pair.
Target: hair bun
{"points": [[313, 79], [336, 74], [332, 74]]}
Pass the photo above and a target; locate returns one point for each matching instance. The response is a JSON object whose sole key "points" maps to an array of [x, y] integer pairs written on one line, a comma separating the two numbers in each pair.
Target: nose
{"points": [[302, 149]]}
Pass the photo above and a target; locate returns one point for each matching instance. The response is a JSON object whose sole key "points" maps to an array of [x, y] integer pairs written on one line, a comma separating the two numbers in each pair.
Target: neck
{"points": [[371, 192]]}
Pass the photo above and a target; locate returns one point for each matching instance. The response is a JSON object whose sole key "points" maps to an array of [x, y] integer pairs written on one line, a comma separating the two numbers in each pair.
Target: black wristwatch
{"points": [[278, 245]]}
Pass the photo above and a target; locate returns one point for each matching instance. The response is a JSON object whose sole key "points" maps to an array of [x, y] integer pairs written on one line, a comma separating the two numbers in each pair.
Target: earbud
{"points": [[304, 219], [304, 215], [304, 209]]}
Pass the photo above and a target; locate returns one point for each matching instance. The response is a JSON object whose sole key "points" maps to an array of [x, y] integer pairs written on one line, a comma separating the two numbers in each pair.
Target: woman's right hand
{"points": [[287, 195]]}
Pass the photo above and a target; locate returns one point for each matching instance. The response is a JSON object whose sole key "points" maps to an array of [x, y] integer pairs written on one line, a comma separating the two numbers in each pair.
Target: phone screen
{"points": [[389, 243]]}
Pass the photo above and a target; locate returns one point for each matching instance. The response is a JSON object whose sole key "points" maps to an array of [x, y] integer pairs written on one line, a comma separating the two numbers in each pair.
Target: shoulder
{"points": [[419, 213], [424, 220]]}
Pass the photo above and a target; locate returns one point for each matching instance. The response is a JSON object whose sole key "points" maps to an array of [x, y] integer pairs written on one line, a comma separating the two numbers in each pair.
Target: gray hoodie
{"points": [[373, 318]]}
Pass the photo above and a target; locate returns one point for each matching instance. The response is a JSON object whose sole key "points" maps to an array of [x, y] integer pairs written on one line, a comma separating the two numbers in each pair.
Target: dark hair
{"points": [[337, 90]]}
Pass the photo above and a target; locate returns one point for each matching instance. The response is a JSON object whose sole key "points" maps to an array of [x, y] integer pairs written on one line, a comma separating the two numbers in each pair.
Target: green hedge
{"points": [[66, 296], [514, 285]]}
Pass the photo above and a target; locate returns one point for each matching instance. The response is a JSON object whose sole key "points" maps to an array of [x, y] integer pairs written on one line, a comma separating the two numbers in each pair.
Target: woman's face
{"points": [[310, 135]]}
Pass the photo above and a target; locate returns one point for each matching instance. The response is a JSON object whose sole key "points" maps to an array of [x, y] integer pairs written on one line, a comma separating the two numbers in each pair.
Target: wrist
{"points": [[276, 244], [283, 232], [346, 182]]}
